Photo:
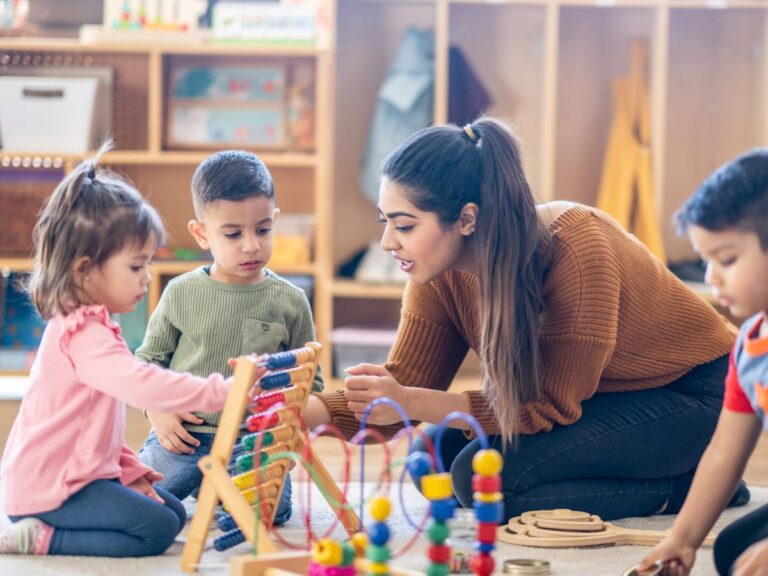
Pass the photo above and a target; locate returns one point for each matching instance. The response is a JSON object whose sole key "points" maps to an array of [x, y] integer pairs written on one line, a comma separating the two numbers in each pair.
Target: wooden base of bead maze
{"points": [[293, 564], [218, 486], [570, 529]]}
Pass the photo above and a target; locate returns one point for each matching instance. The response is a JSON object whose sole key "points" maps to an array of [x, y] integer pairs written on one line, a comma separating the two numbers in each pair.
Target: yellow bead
{"points": [[487, 462], [359, 542], [377, 568], [489, 497], [380, 508], [327, 552], [437, 486]]}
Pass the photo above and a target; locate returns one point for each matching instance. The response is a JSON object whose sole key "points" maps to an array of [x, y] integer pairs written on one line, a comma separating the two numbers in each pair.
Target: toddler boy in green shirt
{"points": [[234, 307]]}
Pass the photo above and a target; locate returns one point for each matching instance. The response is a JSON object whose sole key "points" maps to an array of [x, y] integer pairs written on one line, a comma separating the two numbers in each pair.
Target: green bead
{"points": [[266, 438], [244, 462], [437, 532], [378, 554], [437, 570], [348, 554]]}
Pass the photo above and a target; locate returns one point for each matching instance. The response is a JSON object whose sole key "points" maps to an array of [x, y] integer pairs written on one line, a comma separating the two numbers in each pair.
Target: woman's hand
{"points": [[366, 383], [678, 558], [171, 434], [143, 485], [754, 560]]}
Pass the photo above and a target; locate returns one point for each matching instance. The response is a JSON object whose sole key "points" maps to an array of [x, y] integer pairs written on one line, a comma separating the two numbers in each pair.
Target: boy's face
{"points": [[736, 268], [240, 235]]}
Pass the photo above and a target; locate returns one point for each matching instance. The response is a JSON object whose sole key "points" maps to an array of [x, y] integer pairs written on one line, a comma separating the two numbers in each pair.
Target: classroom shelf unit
{"points": [[548, 64]]}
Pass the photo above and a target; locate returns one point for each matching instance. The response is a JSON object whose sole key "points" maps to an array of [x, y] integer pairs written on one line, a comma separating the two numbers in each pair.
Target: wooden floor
{"points": [[332, 454]]}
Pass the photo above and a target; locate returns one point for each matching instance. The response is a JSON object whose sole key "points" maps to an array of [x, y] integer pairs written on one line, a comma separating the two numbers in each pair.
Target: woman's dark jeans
{"points": [[630, 453]]}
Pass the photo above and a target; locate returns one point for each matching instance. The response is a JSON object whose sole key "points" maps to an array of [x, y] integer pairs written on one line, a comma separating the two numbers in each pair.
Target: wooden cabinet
{"points": [[140, 104], [549, 66]]}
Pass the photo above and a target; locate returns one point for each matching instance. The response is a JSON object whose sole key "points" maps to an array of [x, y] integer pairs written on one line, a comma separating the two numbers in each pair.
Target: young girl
{"points": [[602, 373], [71, 484]]}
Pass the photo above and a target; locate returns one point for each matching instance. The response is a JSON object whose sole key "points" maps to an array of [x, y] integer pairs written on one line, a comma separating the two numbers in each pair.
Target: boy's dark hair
{"points": [[230, 175], [733, 196]]}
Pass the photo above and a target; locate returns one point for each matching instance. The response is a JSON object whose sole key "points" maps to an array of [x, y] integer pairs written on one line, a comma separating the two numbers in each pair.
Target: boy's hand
{"points": [[143, 485], [754, 560], [678, 558], [171, 434]]}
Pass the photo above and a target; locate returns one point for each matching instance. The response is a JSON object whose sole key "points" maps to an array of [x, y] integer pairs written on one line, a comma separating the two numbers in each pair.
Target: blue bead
{"points": [[276, 380], [280, 360], [484, 548], [226, 541], [489, 511], [419, 464], [378, 533], [442, 510], [225, 522]]}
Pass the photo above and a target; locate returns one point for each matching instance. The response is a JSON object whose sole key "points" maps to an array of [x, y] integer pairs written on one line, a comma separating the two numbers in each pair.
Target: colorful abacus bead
{"points": [[489, 507]]}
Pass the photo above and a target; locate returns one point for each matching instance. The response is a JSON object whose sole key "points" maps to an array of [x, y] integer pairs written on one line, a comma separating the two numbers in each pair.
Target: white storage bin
{"points": [[356, 344], [50, 115]]}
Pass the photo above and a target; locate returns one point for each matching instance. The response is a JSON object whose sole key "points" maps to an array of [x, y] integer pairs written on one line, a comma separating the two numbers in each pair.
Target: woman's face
{"points": [[424, 248]]}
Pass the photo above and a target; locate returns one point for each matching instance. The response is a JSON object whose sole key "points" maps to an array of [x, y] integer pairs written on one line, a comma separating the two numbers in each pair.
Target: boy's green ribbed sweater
{"points": [[200, 323]]}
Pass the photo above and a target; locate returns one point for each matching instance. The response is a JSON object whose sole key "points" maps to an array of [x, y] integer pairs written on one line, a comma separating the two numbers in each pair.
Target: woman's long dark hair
{"points": [[442, 169]]}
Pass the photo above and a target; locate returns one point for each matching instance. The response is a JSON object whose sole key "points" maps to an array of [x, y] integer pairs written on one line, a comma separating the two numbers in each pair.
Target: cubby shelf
{"points": [[549, 66]]}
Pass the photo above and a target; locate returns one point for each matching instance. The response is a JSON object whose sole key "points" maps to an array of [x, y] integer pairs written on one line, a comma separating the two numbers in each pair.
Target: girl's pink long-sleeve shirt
{"points": [[69, 431]]}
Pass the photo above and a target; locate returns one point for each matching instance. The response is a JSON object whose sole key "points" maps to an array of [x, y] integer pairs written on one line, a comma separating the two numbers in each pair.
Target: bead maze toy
{"points": [[570, 529], [278, 438], [250, 498]]}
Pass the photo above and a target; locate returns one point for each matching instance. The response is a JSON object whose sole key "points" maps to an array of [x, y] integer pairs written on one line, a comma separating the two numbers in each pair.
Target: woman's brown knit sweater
{"points": [[615, 320]]}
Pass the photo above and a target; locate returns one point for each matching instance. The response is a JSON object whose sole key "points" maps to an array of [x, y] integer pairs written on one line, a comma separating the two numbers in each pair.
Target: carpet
{"points": [[602, 561]]}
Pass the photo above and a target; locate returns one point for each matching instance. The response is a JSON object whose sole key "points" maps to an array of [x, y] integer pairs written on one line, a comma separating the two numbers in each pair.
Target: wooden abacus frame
{"points": [[218, 486]]}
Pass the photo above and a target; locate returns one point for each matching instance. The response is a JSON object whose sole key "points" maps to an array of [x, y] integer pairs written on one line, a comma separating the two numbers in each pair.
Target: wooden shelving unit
{"points": [[548, 64], [141, 88]]}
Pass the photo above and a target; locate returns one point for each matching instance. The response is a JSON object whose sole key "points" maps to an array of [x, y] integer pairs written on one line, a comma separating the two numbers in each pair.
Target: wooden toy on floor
{"points": [[276, 431], [570, 529], [278, 438]]}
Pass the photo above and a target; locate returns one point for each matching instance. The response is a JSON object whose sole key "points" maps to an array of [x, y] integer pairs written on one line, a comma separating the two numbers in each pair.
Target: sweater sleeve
{"points": [[131, 467], [427, 353], [162, 337], [102, 361]]}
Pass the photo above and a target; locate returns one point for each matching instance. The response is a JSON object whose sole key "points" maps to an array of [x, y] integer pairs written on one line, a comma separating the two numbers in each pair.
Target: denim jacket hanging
{"points": [[404, 106]]}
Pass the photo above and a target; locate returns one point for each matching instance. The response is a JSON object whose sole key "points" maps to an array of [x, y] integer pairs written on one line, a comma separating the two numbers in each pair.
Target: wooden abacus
{"points": [[295, 370]]}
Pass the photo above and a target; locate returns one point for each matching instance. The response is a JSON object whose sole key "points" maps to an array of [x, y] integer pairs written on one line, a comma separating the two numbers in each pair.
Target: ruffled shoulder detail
{"points": [[75, 320]]}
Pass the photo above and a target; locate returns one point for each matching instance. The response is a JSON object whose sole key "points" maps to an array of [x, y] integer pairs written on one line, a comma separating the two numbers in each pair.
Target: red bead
{"points": [[482, 564], [486, 531], [486, 483], [439, 553]]}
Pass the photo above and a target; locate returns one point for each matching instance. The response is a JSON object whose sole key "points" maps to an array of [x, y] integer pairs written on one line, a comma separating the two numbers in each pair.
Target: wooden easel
{"points": [[218, 486], [626, 186]]}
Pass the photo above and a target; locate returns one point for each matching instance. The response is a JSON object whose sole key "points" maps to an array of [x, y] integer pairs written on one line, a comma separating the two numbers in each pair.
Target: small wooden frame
{"points": [[569, 529], [219, 486]]}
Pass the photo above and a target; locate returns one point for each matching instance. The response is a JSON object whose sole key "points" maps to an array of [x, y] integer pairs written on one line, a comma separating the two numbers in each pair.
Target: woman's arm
{"points": [[368, 382]]}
